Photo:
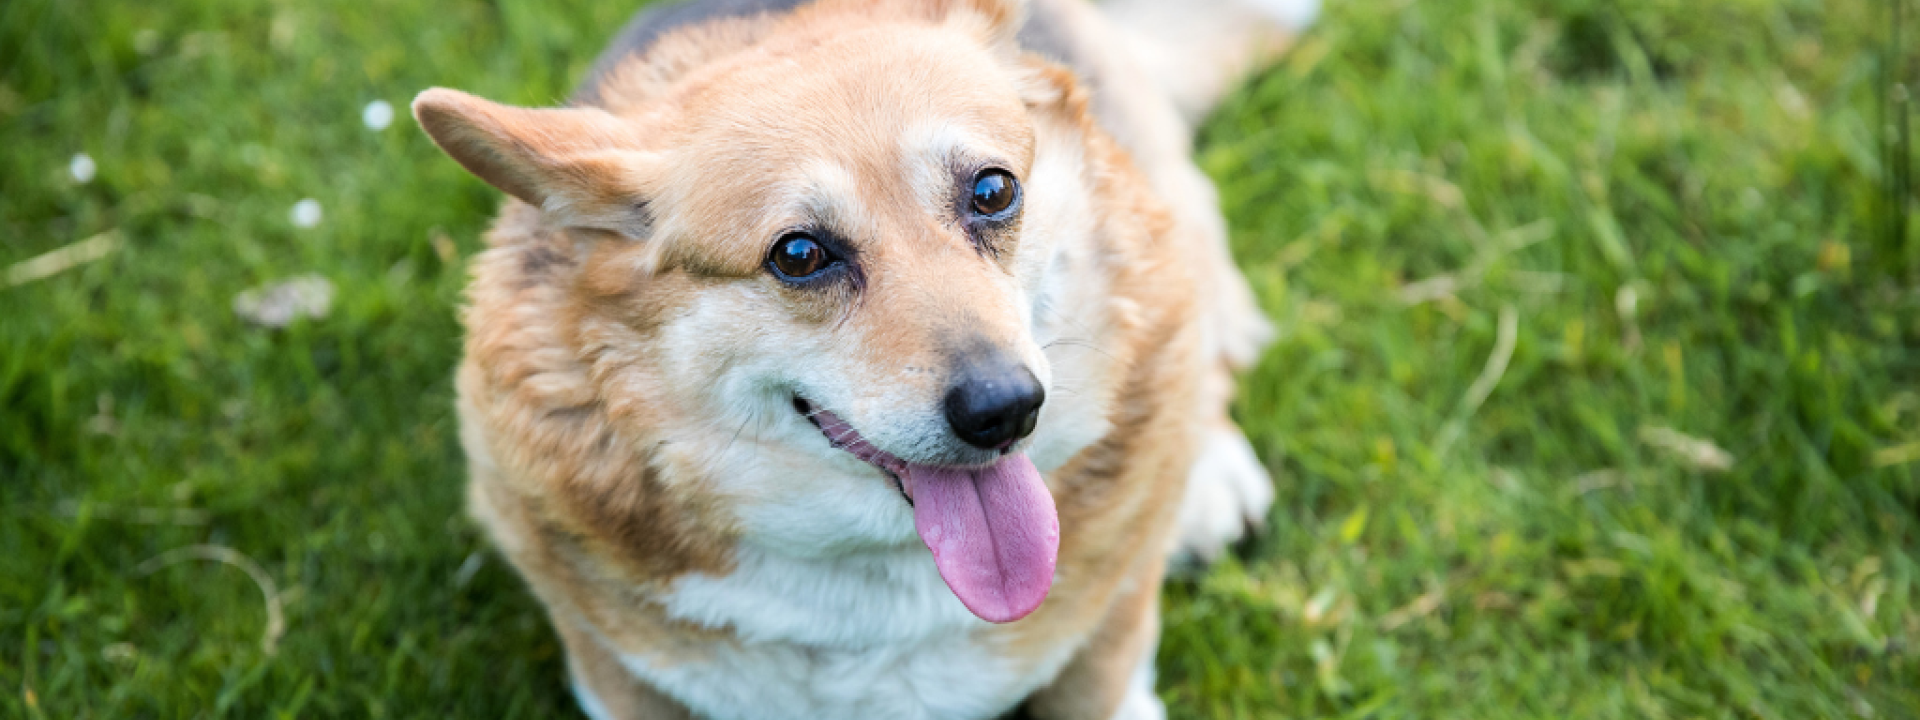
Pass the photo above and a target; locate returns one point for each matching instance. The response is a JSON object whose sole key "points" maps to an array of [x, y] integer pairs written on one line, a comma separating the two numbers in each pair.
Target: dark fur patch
{"points": [[1043, 35], [537, 261], [643, 218]]}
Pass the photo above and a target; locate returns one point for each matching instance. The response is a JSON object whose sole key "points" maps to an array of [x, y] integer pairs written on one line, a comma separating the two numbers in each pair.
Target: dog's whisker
{"points": [[1069, 320], [736, 435], [1079, 343]]}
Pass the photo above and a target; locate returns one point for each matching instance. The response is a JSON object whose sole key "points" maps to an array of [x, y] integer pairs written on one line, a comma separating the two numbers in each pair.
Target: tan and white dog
{"points": [[864, 358]]}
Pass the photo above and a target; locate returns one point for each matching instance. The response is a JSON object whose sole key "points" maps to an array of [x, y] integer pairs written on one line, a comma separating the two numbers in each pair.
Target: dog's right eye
{"points": [[994, 191], [799, 257]]}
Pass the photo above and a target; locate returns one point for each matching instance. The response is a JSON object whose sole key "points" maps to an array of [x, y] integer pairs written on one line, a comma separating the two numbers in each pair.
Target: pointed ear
{"points": [[996, 22], [1046, 86], [582, 166]]}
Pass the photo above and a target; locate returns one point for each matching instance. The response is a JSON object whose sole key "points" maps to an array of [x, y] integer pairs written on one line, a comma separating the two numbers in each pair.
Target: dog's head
{"points": [[821, 256]]}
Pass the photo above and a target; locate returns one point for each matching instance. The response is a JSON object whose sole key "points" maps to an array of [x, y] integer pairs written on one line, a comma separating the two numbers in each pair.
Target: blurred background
{"points": [[1597, 393]]}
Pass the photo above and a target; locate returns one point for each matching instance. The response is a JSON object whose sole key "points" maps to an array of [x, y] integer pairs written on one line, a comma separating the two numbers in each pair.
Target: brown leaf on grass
{"points": [[63, 259], [1420, 607], [1896, 455], [1697, 453]]}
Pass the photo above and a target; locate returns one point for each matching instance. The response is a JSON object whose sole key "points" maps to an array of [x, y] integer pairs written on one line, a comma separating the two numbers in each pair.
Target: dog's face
{"points": [[867, 216], [847, 232]]}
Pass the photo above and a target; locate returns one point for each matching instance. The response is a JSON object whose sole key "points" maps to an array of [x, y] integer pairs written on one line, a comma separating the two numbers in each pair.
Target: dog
{"points": [[864, 358]]}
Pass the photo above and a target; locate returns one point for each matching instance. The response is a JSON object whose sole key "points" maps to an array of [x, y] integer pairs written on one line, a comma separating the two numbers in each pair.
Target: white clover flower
{"points": [[306, 213], [277, 305], [81, 167], [377, 115]]}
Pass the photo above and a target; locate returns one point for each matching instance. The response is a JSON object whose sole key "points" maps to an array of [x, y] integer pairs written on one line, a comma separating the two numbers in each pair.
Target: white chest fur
{"points": [[868, 636]]}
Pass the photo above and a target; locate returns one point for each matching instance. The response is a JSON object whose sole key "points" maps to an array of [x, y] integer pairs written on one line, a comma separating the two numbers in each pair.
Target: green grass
{"points": [[1689, 209]]}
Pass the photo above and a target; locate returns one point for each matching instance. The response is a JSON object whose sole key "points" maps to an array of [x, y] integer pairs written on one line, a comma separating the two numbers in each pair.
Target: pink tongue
{"points": [[993, 532]]}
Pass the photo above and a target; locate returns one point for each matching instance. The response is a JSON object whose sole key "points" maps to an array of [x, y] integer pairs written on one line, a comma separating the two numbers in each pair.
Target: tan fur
{"points": [[590, 460]]}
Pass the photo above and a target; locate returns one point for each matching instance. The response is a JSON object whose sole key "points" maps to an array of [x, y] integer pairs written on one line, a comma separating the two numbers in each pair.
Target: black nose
{"points": [[994, 405]]}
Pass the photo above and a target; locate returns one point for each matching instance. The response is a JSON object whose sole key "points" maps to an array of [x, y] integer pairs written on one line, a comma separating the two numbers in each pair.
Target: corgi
{"points": [[864, 358]]}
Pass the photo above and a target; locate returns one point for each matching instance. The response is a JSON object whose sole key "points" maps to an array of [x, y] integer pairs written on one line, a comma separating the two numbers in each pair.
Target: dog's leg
{"points": [[1141, 702], [1228, 495], [1111, 678], [1228, 490], [605, 689]]}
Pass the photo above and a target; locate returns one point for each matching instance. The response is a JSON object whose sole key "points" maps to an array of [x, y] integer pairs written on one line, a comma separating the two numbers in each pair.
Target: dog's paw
{"points": [[1141, 705], [1228, 495], [1140, 702]]}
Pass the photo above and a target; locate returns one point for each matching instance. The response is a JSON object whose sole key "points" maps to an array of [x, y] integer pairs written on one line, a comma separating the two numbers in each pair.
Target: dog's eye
{"points": [[993, 192], [799, 256]]}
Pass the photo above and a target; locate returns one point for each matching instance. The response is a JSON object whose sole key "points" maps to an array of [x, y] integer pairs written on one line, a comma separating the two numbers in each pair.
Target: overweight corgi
{"points": [[863, 358]]}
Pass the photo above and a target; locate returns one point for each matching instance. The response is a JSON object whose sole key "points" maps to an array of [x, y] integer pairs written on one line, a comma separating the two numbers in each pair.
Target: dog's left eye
{"points": [[994, 192], [799, 256]]}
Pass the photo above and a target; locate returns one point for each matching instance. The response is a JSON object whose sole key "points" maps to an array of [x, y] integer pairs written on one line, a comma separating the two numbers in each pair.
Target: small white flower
{"points": [[1626, 302], [279, 304], [306, 213], [81, 167], [377, 116]]}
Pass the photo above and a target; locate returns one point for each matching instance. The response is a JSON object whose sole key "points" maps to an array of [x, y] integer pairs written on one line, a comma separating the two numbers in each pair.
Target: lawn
{"points": [[1597, 392]]}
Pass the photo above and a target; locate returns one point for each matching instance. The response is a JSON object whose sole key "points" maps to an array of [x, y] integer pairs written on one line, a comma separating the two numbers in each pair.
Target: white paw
{"points": [[590, 704], [1141, 703], [1228, 492]]}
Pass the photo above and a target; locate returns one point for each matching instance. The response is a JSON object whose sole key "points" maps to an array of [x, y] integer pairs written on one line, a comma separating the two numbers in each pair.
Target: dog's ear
{"points": [[997, 22], [1046, 85], [581, 166]]}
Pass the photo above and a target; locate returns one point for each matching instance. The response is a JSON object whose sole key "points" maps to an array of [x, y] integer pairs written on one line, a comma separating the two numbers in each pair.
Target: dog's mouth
{"points": [[841, 435], [993, 529]]}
